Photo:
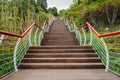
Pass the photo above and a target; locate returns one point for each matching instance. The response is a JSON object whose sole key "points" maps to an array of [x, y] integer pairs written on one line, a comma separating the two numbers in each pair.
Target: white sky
{"points": [[60, 4]]}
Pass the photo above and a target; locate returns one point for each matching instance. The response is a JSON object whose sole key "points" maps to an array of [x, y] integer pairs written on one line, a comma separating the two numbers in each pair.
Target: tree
{"points": [[17, 15], [53, 11], [78, 1], [111, 9], [97, 12], [42, 4]]}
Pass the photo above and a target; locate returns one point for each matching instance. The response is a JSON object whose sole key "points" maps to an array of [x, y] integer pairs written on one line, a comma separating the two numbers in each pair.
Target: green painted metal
{"points": [[11, 54], [108, 49], [113, 43]]}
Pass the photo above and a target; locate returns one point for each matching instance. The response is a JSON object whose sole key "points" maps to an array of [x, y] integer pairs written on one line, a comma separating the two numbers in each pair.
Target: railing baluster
{"points": [[30, 37], [14, 57], [107, 54], [91, 37], [80, 38], [1, 38], [84, 36], [36, 37]]}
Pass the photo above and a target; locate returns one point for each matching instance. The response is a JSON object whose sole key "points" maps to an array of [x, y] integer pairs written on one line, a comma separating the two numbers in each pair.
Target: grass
{"points": [[105, 29]]}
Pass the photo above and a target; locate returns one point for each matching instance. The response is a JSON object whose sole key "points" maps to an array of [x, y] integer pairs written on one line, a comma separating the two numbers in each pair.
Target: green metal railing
{"points": [[113, 43], [13, 47], [107, 46]]}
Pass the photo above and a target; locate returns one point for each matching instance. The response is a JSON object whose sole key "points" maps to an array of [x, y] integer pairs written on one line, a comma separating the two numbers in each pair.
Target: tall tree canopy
{"points": [[53, 11], [42, 4], [17, 15], [97, 12]]}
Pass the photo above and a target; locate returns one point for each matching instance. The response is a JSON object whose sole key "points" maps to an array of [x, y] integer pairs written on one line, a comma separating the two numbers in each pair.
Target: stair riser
{"points": [[60, 56], [54, 44], [61, 67], [59, 33], [61, 41], [62, 47], [61, 51], [59, 38], [61, 60]]}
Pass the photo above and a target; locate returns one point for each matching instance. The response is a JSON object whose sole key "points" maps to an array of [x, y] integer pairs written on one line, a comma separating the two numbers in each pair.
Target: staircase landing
{"points": [[62, 74]]}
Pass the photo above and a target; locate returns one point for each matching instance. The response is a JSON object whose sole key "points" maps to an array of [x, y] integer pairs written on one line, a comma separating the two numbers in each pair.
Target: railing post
{"points": [[80, 38], [15, 53], [39, 41], [42, 33], [68, 25], [107, 54], [91, 37], [48, 27], [75, 29], [41, 36], [84, 36], [30, 37], [65, 22], [36, 37], [1, 38]]}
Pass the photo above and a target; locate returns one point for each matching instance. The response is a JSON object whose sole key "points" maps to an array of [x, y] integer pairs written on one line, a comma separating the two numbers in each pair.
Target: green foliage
{"points": [[17, 15], [99, 13], [53, 11], [42, 4]]}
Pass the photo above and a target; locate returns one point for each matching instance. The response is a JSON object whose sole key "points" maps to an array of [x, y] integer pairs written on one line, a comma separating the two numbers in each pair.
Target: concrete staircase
{"points": [[60, 50]]}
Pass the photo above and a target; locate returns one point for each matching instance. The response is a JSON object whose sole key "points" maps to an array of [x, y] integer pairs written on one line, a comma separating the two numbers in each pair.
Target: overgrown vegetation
{"points": [[17, 15], [101, 14], [53, 11]]}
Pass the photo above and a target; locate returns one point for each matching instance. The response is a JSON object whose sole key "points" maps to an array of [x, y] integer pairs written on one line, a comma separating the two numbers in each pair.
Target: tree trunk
{"points": [[107, 14], [114, 16], [111, 15], [94, 19]]}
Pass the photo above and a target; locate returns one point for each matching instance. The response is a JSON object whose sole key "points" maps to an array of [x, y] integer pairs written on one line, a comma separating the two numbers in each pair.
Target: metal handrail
{"points": [[32, 36], [95, 39], [110, 34], [18, 35], [98, 34]]}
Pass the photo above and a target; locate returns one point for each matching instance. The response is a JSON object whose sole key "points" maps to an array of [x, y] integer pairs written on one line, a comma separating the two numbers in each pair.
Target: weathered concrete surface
{"points": [[62, 74]]}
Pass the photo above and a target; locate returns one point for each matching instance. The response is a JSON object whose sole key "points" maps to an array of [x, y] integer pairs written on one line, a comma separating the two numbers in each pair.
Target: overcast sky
{"points": [[60, 4]]}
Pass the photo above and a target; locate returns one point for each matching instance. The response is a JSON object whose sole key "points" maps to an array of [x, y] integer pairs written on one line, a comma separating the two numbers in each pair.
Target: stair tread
{"points": [[61, 64], [59, 43], [60, 53], [63, 46], [65, 58], [49, 55], [59, 49]]}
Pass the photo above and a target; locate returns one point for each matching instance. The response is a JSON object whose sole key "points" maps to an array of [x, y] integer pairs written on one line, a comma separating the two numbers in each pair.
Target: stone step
{"points": [[59, 55], [61, 66], [61, 60], [61, 47], [60, 51], [59, 33], [60, 39], [58, 43]]}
